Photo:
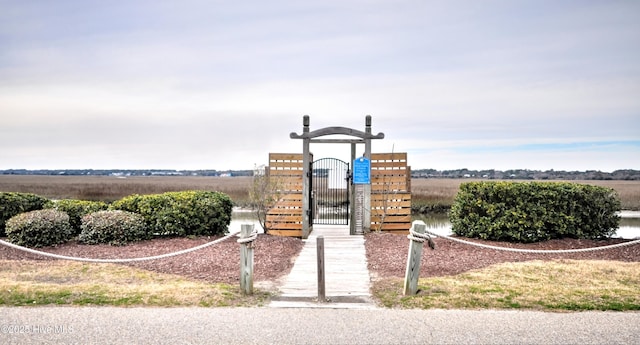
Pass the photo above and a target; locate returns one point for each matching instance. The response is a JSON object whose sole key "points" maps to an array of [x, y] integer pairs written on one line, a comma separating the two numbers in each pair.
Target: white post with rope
{"points": [[247, 235], [418, 235], [413, 261]]}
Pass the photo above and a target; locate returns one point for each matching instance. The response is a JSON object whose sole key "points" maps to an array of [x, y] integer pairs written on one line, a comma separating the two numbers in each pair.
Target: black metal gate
{"points": [[330, 191]]}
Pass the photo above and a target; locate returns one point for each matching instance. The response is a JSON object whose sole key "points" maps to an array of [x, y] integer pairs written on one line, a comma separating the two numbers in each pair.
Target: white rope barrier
{"points": [[535, 251], [111, 261], [419, 237], [252, 237]]}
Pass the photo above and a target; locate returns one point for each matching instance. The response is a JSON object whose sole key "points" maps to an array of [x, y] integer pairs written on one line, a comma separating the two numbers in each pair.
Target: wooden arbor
{"points": [[386, 200]]}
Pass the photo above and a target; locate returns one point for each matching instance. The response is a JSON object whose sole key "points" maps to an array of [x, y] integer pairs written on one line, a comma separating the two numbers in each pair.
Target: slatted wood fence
{"points": [[285, 216], [390, 192]]}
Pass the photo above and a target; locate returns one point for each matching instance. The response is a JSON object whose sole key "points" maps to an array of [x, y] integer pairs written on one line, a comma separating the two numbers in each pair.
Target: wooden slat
{"points": [[391, 171], [288, 204], [285, 157], [397, 232], [281, 174], [291, 196], [389, 156], [388, 165], [392, 226], [285, 165], [392, 204], [287, 233], [284, 226], [394, 196], [382, 179], [272, 218], [387, 190], [391, 219], [390, 212]]}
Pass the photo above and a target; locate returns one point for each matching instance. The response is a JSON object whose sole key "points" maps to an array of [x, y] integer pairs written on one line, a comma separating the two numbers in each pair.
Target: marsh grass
{"points": [[433, 195], [564, 285], [440, 193], [110, 188], [24, 283]]}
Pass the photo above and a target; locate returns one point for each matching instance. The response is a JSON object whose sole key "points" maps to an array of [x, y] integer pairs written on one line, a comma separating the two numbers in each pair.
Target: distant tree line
{"points": [[524, 174], [517, 174], [127, 172]]}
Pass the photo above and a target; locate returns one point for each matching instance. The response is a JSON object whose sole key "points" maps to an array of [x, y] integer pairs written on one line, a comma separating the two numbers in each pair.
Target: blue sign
{"points": [[362, 171]]}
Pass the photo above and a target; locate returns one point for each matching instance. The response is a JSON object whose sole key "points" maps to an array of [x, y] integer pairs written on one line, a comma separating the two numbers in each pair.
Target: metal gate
{"points": [[330, 180]]}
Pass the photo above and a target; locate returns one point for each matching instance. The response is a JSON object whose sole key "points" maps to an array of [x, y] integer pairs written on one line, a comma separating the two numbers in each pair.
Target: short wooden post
{"points": [[246, 260], [321, 282], [413, 261]]}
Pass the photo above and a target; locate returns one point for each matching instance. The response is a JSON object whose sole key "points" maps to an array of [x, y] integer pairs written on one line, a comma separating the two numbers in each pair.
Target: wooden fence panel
{"points": [[285, 216], [390, 193]]}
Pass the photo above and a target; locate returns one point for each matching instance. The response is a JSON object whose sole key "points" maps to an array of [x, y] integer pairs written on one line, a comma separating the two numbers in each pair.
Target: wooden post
{"points": [[321, 282], [307, 222], [246, 260], [413, 261], [366, 221], [352, 194]]}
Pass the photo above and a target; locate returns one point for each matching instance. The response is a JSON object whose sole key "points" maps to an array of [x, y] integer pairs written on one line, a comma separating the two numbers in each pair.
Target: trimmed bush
{"points": [[76, 209], [12, 204], [112, 227], [534, 211], [188, 213], [39, 228]]}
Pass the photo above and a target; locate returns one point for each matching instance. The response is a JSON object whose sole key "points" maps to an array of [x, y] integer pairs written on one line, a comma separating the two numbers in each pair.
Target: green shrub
{"points": [[188, 213], [76, 209], [39, 228], [534, 211], [112, 227], [12, 204]]}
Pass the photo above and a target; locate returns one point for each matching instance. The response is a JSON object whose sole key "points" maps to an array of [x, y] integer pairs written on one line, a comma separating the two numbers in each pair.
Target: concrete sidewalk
{"points": [[346, 273]]}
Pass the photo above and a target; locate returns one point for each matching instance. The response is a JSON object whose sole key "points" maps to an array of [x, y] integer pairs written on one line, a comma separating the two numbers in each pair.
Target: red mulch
{"points": [[387, 254], [274, 256]]}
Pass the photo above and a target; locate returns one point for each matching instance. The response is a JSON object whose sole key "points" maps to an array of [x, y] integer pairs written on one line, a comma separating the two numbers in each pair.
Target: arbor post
{"points": [[307, 222]]}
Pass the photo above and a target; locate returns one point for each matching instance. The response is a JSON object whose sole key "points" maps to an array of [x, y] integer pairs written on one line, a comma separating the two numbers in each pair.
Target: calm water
{"points": [[629, 223]]}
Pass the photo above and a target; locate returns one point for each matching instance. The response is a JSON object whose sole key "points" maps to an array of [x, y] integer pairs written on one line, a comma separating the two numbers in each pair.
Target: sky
{"points": [[206, 84]]}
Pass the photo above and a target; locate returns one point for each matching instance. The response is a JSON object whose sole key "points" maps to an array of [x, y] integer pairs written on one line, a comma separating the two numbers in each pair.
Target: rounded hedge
{"points": [[12, 204], [534, 211], [76, 209], [39, 228], [187, 213], [112, 227]]}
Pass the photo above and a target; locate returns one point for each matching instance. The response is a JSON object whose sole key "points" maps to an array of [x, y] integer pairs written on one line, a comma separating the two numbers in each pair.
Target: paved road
{"points": [[108, 325]]}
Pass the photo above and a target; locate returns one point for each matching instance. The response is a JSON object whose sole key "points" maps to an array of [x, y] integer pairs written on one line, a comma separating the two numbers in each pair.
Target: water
{"points": [[243, 216], [439, 223], [629, 224]]}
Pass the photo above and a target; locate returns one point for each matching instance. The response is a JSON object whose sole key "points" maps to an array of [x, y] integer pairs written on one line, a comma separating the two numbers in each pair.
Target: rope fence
{"points": [[527, 251], [418, 234], [147, 258]]}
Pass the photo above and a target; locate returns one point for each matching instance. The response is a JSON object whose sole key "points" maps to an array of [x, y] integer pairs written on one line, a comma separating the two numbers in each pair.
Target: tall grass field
{"points": [[435, 193]]}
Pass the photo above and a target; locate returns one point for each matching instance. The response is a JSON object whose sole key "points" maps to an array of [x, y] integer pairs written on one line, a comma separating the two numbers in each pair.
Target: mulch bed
{"points": [[387, 254], [274, 256], [220, 263]]}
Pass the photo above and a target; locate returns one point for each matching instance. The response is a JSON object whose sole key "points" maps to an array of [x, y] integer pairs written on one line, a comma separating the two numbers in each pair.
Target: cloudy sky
{"points": [[206, 84]]}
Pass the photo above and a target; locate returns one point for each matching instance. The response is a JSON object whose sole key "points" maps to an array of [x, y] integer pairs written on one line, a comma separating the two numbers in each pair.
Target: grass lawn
{"points": [[563, 285]]}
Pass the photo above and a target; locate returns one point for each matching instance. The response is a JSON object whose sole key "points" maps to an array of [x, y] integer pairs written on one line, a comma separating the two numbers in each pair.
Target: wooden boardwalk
{"points": [[346, 273]]}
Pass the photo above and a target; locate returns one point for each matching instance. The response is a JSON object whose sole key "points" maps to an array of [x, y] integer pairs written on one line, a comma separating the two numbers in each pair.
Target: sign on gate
{"points": [[362, 171]]}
